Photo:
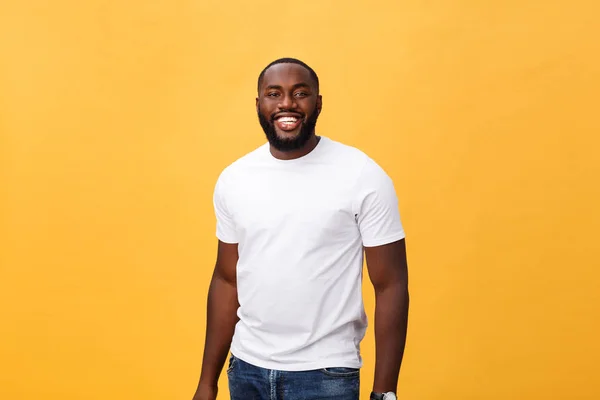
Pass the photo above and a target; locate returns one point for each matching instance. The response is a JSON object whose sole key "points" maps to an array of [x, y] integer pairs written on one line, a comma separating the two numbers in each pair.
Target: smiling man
{"points": [[294, 219]]}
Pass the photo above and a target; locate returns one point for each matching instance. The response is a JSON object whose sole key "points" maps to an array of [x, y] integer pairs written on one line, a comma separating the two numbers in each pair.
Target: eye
{"points": [[301, 94], [272, 94]]}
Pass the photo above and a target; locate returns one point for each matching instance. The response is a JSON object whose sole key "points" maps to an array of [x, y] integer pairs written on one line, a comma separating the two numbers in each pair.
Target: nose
{"points": [[287, 102]]}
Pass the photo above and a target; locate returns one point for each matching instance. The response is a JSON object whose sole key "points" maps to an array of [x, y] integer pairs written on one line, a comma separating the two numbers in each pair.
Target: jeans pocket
{"points": [[231, 364], [341, 372]]}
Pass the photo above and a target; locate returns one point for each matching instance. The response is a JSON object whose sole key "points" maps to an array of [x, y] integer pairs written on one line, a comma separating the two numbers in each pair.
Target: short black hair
{"points": [[289, 60]]}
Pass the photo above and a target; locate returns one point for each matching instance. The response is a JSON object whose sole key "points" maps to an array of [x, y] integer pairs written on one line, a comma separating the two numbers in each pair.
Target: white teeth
{"points": [[288, 119]]}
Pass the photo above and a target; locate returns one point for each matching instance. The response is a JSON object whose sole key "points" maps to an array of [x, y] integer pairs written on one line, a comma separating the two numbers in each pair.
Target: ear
{"points": [[319, 104], [257, 108]]}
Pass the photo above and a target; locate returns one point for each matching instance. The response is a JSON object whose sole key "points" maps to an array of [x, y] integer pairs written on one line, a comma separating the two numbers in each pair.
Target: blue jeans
{"points": [[248, 382]]}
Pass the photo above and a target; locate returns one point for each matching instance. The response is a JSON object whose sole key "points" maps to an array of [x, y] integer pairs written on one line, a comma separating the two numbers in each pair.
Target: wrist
{"points": [[208, 384], [383, 396]]}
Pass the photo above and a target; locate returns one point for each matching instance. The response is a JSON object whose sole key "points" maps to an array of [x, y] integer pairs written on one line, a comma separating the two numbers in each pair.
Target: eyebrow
{"points": [[296, 86]]}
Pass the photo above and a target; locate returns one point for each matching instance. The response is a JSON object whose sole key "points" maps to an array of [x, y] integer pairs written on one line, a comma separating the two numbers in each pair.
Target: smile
{"points": [[288, 123]]}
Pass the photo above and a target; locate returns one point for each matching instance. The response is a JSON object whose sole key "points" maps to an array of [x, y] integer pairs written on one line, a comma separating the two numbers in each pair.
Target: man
{"points": [[293, 219]]}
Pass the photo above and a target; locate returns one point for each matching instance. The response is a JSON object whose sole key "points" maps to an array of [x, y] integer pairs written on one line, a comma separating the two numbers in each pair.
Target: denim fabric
{"points": [[248, 382]]}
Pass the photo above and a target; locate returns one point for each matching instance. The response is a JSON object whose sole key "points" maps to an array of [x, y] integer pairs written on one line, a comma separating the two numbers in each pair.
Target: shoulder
{"points": [[365, 167], [240, 166], [345, 153], [347, 160]]}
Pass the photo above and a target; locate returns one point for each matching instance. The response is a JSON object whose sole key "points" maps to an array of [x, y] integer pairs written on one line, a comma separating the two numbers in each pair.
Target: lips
{"points": [[287, 121]]}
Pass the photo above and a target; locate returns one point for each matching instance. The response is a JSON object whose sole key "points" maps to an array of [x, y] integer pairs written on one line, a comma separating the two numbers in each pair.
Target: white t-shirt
{"points": [[301, 226]]}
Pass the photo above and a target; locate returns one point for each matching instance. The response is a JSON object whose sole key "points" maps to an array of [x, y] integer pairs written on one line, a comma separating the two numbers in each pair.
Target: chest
{"points": [[318, 205]]}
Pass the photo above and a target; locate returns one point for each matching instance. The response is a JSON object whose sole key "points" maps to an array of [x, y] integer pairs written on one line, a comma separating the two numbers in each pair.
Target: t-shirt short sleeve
{"points": [[376, 207], [226, 228]]}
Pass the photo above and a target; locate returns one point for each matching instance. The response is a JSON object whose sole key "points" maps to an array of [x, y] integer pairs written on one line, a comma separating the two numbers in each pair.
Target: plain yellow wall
{"points": [[116, 118]]}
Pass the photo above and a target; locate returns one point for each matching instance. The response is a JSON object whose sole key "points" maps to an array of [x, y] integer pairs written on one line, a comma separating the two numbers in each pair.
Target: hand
{"points": [[206, 392]]}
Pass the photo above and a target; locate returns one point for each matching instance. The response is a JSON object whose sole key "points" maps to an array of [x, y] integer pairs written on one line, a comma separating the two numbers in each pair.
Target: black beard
{"points": [[306, 131]]}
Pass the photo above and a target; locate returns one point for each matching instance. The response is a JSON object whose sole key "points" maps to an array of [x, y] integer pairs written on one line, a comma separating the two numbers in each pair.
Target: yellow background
{"points": [[116, 118]]}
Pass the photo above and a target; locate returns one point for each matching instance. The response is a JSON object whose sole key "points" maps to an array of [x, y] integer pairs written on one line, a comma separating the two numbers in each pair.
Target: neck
{"points": [[297, 153]]}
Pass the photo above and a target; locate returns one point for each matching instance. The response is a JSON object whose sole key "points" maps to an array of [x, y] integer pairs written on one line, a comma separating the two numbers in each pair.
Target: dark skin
{"points": [[388, 272], [220, 321], [289, 87]]}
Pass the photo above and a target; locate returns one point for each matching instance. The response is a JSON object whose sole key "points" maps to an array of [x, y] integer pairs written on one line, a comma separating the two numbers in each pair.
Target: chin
{"points": [[288, 134]]}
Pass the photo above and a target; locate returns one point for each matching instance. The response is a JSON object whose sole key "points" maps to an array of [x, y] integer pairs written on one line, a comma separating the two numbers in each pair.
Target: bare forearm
{"points": [[391, 318], [220, 325]]}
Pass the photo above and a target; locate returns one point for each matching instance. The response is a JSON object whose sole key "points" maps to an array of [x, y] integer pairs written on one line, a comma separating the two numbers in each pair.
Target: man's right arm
{"points": [[220, 322]]}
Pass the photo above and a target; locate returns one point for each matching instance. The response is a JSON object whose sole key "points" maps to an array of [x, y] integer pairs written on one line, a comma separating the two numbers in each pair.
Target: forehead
{"points": [[287, 75]]}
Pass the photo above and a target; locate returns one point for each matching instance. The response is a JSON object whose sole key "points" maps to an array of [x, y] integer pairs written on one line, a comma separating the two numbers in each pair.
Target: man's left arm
{"points": [[388, 271]]}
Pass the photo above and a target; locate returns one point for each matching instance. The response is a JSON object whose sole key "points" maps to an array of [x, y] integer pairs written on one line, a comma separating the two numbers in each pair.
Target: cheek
{"points": [[310, 109], [265, 110]]}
